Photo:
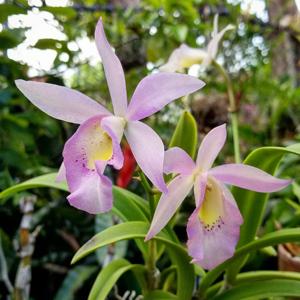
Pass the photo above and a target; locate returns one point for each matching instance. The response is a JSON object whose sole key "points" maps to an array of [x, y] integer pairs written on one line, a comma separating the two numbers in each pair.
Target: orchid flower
{"points": [[185, 56], [213, 228], [96, 142]]}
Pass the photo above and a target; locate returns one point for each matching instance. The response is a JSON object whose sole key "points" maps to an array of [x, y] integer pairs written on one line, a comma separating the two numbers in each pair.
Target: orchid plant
{"points": [[221, 217]]}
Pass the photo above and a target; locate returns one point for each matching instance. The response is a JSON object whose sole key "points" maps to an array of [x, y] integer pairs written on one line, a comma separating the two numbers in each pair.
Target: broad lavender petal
{"points": [[157, 90], [213, 235], [60, 102], [248, 177], [113, 71], [93, 195], [178, 161], [210, 147], [86, 154], [169, 202], [148, 151]]}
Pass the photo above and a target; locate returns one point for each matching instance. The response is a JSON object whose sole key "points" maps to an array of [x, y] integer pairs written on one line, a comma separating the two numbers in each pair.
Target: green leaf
{"points": [[73, 281], [160, 295], [185, 135], [274, 238], [262, 289], [46, 44], [43, 181], [8, 40], [65, 13], [252, 204], [108, 277], [128, 206], [7, 10], [138, 230], [254, 276]]}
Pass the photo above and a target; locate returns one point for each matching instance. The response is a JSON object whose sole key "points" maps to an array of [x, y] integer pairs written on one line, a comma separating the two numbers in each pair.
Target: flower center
{"points": [[100, 146], [212, 207]]}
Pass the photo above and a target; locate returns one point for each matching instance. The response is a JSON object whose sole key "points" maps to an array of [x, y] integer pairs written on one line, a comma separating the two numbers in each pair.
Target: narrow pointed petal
{"points": [[213, 45], [215, 26], [86, 154], [114, 126], [200, 188], [61, 174], [148, 151], [113, 71], [249, 178], [210, 147], [157, 90], [211, 243], [178, 161], [60, 102], [178, 189]]}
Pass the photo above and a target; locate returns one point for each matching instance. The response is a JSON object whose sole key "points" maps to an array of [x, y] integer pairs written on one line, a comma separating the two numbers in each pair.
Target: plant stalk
{"points": [[233, 111], [153, 272]]}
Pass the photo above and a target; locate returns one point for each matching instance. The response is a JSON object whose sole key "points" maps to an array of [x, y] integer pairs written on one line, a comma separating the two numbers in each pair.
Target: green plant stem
{"points": [[153, 274], [233, 110]]}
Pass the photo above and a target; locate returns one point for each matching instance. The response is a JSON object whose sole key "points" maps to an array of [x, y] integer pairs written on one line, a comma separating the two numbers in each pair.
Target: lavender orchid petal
{"points": [[169, 202], [210, 147], [94, 194], [178, 161], [249, 178], [213, 234], [157, 90], [148, 150], [113, 71], [86, 154], [60, 102]]}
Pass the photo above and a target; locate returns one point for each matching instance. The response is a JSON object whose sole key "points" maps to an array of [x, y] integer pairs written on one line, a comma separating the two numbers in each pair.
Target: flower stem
{"points": [[153, 273], [233, 110]]}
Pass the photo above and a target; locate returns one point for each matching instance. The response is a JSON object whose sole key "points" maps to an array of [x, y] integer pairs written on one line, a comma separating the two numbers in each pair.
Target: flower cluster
{"points": [[213, 228]]}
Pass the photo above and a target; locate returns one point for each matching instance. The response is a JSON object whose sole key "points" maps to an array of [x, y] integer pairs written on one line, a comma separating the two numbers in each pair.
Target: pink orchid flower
{"points": [[96, 142], [214, 226]]}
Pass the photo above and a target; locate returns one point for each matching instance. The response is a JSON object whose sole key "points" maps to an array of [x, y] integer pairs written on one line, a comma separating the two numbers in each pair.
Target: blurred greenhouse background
{"points": [[52, 41]]}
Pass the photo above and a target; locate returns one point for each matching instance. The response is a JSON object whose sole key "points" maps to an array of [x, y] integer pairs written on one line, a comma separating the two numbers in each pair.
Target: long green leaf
{"points": [[73, 281], [108, 277], [262, 289], [185, 135], [254, 276], [270, 239], [160, 295], [44, 181], [128, 206], [138, 230], [252, 204]]}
